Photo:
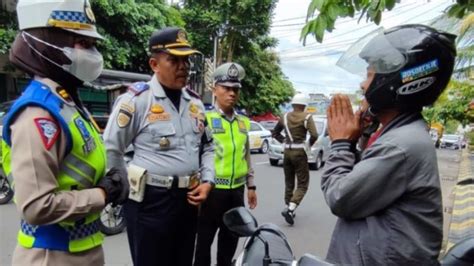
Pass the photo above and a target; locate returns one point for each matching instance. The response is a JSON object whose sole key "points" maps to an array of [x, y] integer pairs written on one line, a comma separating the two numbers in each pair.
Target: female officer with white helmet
{"points": [[51, 147]]}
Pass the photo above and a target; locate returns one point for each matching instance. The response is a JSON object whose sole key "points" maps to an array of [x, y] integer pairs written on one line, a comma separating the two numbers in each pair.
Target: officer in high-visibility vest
{"points": [[296, 125], [232, 166], [51, 146]]}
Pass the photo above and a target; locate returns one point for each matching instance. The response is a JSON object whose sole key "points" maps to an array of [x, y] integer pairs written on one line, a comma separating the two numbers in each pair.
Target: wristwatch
{"points": [[251, 187], [210, 182]]}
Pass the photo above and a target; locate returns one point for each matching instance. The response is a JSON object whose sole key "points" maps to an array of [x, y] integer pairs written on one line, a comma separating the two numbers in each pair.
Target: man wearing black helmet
{"points": [[389, 203]]}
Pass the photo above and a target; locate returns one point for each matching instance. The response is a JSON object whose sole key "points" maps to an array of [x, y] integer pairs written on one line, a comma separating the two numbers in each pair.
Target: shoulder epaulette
{"points": [[193, 93], [138, 87]]}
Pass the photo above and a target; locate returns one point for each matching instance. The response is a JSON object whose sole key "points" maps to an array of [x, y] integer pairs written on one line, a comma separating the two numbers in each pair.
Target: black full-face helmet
{"points": [[412, 65]]}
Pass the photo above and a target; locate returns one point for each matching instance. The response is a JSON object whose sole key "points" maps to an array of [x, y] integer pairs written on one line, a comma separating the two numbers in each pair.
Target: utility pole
{"points": [[218, 35]]}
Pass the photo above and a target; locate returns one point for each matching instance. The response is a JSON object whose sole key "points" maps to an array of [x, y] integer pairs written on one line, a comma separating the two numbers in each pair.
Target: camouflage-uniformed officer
{"points": [[165, 124], [296, 125], [232, 165]]}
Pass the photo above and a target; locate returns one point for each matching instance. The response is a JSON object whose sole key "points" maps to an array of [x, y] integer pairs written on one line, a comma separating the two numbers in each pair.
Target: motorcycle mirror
{"points": [[460, 254], [240, 221]]}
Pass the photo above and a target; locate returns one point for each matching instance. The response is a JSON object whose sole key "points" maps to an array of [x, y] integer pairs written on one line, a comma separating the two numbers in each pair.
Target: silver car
{"points": [[318, 153]]}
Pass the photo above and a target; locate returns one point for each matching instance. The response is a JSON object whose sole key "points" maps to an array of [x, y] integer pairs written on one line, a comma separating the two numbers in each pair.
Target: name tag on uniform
{"points": [[217, 125], [89, 143]]}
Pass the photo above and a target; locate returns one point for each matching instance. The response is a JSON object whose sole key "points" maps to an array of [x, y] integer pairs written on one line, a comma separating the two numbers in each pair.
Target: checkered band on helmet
{"points": [[69, 16]]}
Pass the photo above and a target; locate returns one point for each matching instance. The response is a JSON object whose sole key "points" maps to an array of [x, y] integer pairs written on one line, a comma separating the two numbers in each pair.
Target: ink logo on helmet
{"points": [[416, 86], [233, 72], [88, 11]]}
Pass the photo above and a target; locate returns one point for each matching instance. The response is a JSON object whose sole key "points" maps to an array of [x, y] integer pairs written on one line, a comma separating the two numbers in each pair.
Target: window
{"points": [[254, 127]]}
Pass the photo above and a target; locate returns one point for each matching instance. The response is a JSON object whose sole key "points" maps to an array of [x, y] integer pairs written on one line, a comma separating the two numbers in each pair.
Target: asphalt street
{"points": [[310, 234]]}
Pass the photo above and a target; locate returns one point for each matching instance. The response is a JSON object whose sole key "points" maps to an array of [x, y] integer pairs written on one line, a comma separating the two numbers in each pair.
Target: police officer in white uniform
{"points": [[165, 124]]}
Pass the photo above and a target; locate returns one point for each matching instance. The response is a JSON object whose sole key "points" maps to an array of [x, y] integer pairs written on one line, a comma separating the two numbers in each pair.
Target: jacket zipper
{"points": [[233, 152]]}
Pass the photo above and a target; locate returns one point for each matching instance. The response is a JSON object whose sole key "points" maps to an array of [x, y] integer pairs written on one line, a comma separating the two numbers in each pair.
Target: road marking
{"points": [[463, 211]]}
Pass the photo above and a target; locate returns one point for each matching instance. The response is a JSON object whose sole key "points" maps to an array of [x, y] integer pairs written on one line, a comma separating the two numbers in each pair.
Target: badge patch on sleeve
{"points": [[48, 129]]}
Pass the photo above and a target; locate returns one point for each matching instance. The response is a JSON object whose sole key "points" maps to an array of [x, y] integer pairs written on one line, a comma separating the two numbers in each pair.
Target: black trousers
{"points": [[161, 229], [210, 219]]}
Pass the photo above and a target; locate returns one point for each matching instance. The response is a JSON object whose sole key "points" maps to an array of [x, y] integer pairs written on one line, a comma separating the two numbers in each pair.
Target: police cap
{"points": [[229, 75], [171, 40]]}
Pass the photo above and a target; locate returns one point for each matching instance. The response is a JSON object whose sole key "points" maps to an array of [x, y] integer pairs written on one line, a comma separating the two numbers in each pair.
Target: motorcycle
{"points": [[6, 191], [112, 221], [267, 245]]}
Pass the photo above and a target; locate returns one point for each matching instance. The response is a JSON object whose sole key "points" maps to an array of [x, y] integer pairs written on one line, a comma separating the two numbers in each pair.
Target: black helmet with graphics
{"points": [[412, 65]]}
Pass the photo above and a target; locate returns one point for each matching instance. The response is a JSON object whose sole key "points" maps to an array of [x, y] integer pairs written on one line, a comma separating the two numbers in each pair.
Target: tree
{"points": [[126, 26], [328, 11], [245, 26], [266, 88]]}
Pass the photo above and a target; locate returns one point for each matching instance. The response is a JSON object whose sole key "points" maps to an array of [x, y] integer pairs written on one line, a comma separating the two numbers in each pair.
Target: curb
{"points": [[462, 219]]}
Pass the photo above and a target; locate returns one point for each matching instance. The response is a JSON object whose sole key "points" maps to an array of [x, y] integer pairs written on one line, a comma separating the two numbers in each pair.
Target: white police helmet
{"points": [[300, 99], [72, 15]]}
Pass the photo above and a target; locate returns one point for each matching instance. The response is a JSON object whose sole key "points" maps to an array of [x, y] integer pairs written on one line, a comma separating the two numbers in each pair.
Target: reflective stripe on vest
{"points": [[83, 167], [230, 138]]}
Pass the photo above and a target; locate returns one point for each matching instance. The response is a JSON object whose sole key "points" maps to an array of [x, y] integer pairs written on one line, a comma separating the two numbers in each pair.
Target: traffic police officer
{"points": [[165, 124], [232, 166], [295, 161], [51, 147]]}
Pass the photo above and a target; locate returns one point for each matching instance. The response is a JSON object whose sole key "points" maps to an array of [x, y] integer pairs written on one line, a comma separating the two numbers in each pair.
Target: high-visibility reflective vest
{"points": [[83, 166], [230, 138]]}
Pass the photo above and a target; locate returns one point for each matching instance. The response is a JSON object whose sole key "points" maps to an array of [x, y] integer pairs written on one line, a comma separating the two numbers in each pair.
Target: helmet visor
{"points": [[374, 51]]}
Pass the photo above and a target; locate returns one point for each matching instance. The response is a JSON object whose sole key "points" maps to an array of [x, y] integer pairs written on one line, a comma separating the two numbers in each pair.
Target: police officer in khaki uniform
{"points": [[165, 125], [296, 125], [50, 145], [232, 165]]}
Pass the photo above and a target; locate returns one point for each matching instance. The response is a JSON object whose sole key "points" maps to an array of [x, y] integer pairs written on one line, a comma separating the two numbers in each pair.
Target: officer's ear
{"points": [[154, 62]]}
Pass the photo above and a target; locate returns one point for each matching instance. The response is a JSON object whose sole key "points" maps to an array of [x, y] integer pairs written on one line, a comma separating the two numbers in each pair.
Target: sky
{"points": [[312, 68]]}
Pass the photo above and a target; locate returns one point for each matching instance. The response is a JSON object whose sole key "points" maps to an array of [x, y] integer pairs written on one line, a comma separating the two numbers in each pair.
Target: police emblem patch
{"points": [[123, 118], [233, 72], [48, 130]]}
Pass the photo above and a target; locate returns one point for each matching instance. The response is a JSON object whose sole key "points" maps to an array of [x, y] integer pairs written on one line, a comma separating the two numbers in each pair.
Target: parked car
{"points": [[451, 141], [270, 125], [318, 153], [259, 137]]}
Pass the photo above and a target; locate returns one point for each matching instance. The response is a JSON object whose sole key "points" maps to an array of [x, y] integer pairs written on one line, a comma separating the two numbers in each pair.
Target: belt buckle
{"points": [[170, 182], [193, 181]]}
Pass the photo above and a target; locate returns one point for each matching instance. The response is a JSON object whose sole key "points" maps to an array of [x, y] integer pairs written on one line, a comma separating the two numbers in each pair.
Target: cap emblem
{"points": [[88, 11], [233, 72], [181, 36]]}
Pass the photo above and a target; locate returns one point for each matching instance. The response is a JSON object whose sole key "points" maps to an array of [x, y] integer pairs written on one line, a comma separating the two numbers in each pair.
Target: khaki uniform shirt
{"points": [[34, 170], [298, 123]]}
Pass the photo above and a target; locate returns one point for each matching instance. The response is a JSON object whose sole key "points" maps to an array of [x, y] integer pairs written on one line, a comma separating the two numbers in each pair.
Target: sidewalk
{"points": [[462, 219]]}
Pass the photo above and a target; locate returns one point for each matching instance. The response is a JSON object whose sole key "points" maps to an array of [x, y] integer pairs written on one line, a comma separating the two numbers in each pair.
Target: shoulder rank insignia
{"points": [[48, 129], [138, 87], [193, 93]]}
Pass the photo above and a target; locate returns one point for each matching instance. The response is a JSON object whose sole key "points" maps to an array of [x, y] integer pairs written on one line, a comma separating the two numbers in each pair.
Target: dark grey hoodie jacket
{"points": [[389, 204]]}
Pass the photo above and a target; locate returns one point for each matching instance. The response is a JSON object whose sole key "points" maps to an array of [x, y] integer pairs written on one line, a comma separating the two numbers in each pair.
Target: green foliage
{"points": [[127, 26], [328, 11], [8, 26], [452, 105], [245, 25], [265, 88]]}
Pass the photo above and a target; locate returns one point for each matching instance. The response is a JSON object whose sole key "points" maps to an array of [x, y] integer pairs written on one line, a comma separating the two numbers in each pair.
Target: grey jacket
{"points": [[389, 204]]}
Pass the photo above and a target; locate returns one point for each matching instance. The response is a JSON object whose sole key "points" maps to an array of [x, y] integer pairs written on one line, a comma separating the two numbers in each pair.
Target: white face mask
{"points": [[86, 64]]}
